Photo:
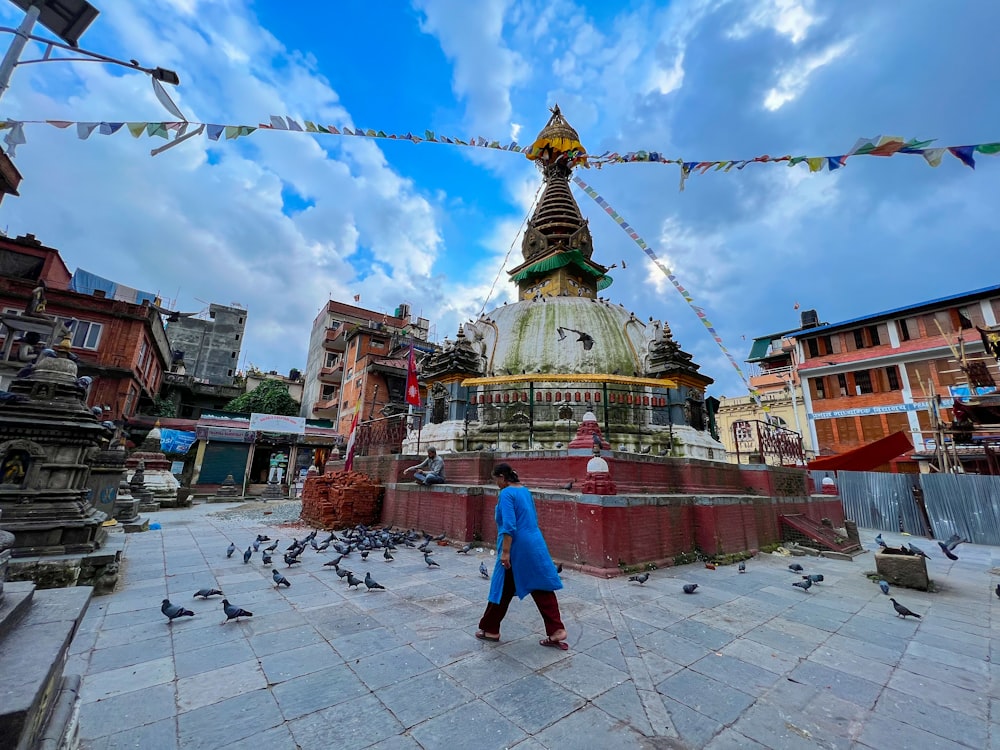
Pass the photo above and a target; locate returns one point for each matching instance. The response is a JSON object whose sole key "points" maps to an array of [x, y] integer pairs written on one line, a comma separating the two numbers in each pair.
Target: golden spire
{"points": [[557, 141]]}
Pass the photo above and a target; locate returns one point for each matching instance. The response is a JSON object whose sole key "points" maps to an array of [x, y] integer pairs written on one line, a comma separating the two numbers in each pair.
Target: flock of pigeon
{"points": [[948, 548], [361, 540]]}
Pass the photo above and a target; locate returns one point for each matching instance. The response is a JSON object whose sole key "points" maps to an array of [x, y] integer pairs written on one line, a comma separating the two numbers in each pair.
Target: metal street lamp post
{"points": [[67, 19]]}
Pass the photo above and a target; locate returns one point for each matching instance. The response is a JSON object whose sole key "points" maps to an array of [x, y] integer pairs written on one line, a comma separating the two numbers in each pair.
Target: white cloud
{"points": [[792, 81], [790, 18]]}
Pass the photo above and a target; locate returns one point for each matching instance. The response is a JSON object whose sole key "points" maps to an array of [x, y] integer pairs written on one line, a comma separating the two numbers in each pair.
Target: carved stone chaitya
{"points": [[46, 443]]}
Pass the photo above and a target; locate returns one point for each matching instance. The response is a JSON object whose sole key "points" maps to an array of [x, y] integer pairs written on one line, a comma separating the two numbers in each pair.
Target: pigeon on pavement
{"points": [[173, 611], [430, 561], [387, 556], [879, 541], [742, 567], [486, 574], [884, 585], [641, 578], [233, 612], [290, 560], [902, 611], [353, 580], [273, 547], [265, 558], [796, 567], [689, 588], [256, 545], [205, 593], [247, 555], [998, 589], [464, 550], [815, 577], [371, 583], [230, 549], [804, 584], [916, 551], [279, 580]]}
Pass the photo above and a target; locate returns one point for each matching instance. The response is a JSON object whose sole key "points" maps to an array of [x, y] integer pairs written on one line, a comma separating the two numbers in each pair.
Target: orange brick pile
{"points": [[340, 499]]}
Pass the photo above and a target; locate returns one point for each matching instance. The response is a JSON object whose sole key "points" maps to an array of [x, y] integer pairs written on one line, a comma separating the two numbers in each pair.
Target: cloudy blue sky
{"points": [[280, 222]]}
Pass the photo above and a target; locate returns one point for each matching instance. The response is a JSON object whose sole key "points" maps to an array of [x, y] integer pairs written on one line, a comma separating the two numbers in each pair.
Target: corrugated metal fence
{"points": [[881, 501], [963, 504]]}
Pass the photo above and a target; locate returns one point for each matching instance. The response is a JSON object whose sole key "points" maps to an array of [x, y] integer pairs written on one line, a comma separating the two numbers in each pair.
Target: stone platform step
{"points": [[32, 657], [15, 605], [802, 525]]}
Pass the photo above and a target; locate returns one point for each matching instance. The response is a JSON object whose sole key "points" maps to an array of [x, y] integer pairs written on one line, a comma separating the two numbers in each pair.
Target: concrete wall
{"points": [[211, 347]]}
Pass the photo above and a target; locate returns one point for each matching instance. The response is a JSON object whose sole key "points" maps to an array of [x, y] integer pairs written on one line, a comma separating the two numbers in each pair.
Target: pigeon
{"points": [[256, 545], [796, 567], [387, 556], [371, 583], [953, 541], [247, 555], [233, 613], [689, 588], [265, 558], [263, 538], [430, 561], [322, 547], [293, 545], [742, 567], [291, 560], [902, 611], [343, 572], [879, 541], [884, 585], [353, 580], [998, 590], [804, 584], [333, 563], [947, 552], [273, 547], [642, 578], [568, 485], [815, 577], [205, 593], [279, 580], [916, 551], [230, 549], [486, 574], [464, 551], [173, 611], [364, 556]]}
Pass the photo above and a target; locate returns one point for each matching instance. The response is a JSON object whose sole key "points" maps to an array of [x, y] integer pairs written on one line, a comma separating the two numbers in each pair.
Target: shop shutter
{"points": [[222, 459]]}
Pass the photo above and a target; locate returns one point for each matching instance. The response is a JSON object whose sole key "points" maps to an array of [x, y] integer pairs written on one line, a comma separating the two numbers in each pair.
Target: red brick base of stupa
{"points": [[664, 507]]}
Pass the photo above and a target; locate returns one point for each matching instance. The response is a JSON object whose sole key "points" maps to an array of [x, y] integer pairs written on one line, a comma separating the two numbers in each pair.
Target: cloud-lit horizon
{"points": [[281, 222]]}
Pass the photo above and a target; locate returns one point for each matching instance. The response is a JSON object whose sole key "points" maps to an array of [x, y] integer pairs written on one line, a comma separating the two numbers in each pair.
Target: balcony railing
{"points": [[333, 374]]}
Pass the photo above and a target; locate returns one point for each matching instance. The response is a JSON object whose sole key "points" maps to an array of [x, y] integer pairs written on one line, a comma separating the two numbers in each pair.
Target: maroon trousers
{"points": [[548, 607]]}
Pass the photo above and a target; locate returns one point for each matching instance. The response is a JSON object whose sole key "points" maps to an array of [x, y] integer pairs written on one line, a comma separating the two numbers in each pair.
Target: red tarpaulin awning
{"points": [[867, 457]]}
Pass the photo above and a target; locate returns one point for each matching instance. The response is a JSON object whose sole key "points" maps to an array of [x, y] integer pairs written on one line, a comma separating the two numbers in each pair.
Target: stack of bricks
{"points": [[340, 499]]}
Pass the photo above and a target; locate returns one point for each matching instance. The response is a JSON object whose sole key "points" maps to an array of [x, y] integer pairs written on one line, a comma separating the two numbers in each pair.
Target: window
{"points": [[847, 430], [964, 319], [376, 344], [143, 351], [842, 384], [87, 335], [904, 330], [872, 429], [892, 375], [863, 382], [873, 335], [230, 373], [127, 411], [237, 337], [813, 345], [331, 360], [824, 433], [818, 388], [234, 355], [859, 339]]}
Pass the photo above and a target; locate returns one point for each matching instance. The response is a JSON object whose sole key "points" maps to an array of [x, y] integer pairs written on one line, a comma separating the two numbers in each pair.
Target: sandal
{"points": [[483, 637], [561, 645]]}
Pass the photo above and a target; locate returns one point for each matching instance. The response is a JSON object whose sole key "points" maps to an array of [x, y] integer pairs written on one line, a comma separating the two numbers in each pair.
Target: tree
{"points": [[270, 397]]}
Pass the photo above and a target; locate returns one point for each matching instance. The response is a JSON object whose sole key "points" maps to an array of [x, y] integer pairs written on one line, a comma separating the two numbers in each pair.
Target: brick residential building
{"points": [[869, 377], [121, 345]]}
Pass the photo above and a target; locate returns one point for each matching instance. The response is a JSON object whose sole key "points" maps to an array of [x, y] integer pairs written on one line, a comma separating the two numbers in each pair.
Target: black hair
{"points": [[505, 471]]}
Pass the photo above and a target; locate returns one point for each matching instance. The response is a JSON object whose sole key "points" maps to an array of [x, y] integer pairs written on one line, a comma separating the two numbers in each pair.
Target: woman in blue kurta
{"points": [[523, 565]]}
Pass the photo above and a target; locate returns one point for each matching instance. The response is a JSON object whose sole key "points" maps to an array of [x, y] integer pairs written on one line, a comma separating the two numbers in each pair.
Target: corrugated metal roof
{"points": [[759, 349], [898, 311]]}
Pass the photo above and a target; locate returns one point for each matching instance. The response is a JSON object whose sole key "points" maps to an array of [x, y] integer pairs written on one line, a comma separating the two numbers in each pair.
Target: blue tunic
{"points": [[529, 556]]}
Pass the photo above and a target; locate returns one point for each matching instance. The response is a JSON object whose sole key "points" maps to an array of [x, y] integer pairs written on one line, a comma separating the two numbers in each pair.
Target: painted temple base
{"points": [[665, 508]]}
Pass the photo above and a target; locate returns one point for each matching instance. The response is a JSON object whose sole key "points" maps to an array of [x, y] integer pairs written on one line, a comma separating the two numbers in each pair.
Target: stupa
{"points": [[48, 437], [155, 473], [523, 375]]}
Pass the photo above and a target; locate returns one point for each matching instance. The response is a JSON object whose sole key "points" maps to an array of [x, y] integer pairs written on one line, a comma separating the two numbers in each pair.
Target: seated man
{"points": [[430, 470]]}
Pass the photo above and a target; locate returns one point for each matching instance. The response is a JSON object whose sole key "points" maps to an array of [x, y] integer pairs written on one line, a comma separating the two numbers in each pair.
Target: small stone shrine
{"points": [[48, 437], [156, 474], [140, 493], [228, 491]]}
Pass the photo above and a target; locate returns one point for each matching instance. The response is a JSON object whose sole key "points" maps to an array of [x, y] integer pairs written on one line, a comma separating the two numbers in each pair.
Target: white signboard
{"points": [[277, 423]]}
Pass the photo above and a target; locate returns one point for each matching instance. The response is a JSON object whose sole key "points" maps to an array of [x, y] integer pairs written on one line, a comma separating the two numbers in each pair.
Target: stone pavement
{"points": [[746, 662]]}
